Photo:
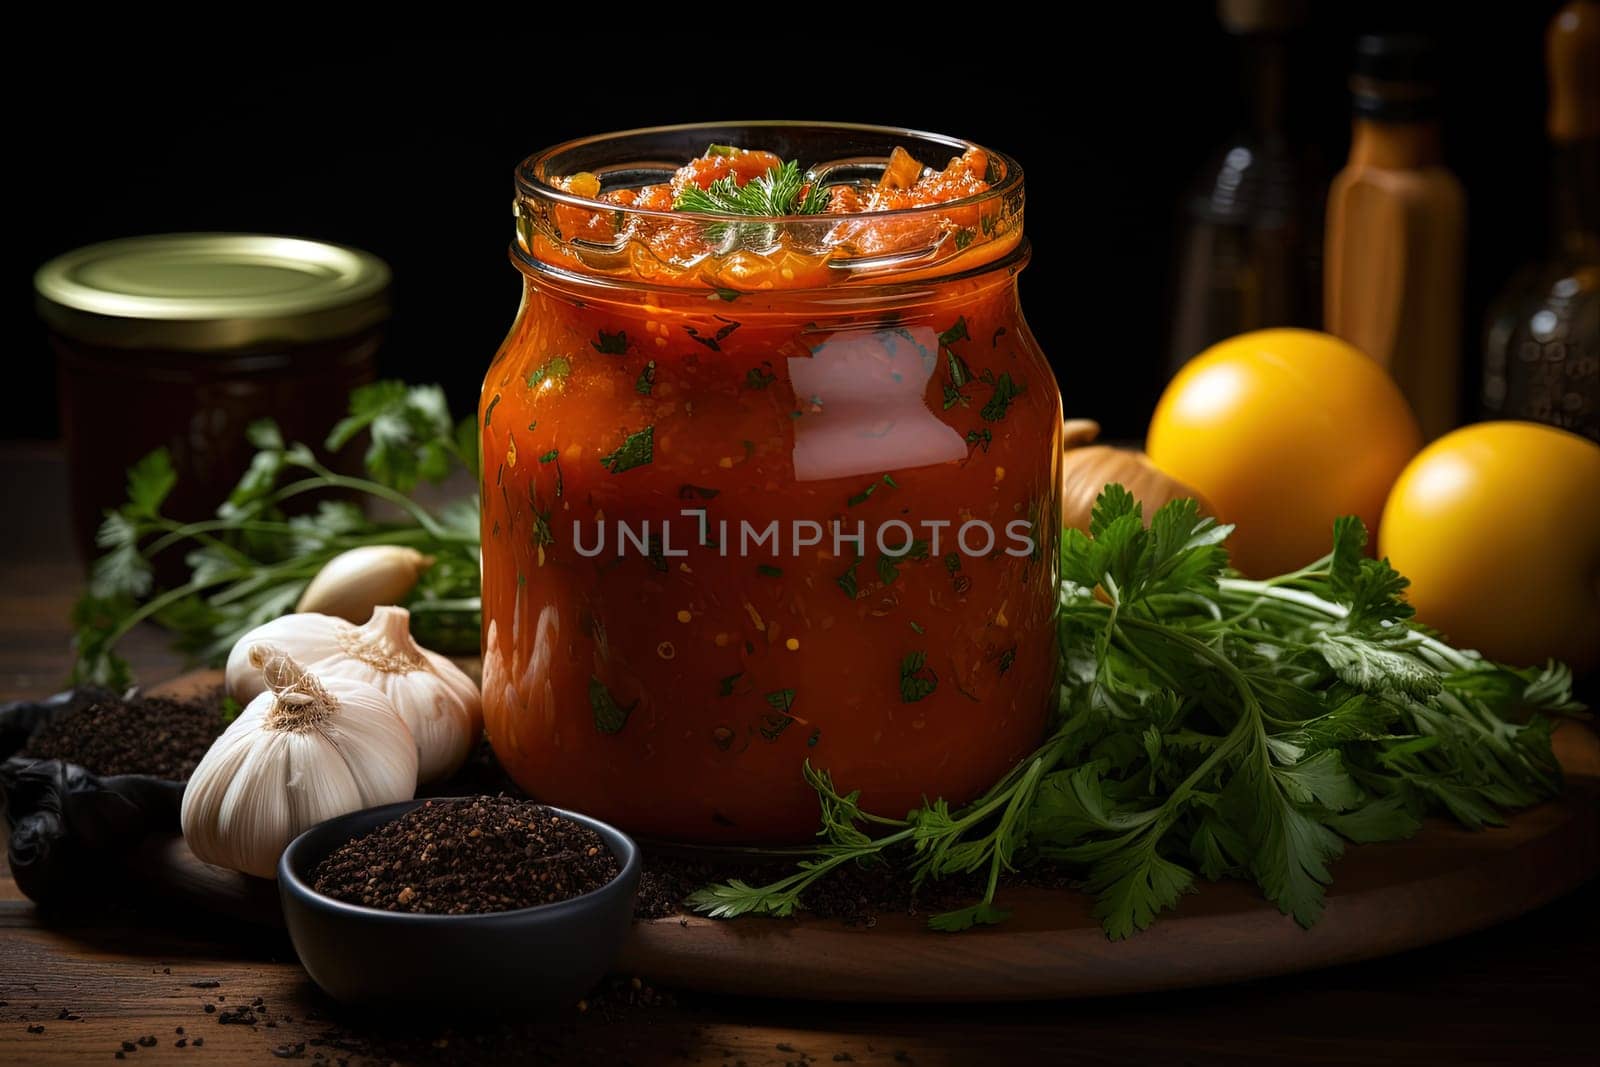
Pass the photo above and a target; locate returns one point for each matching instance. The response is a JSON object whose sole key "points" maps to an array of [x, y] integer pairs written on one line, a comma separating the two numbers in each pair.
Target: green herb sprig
{"points": [[1214, 727], [781, 192], [252, 560]]}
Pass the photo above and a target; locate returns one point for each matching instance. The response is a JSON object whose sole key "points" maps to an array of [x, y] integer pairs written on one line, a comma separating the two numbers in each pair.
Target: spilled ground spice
{"points": [[853, 895], [145, 735], [468, 856]]}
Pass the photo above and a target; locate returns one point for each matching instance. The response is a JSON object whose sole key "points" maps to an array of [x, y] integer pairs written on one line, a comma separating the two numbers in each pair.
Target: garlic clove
{"points": [[439, 703], [1075, 433], [1086, 470], [353, 583], [309, 638]]}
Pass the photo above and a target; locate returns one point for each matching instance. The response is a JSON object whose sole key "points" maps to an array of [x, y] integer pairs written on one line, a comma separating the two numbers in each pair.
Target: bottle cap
{"points": [[211, 292], [1572, 54], [1396, 77]]}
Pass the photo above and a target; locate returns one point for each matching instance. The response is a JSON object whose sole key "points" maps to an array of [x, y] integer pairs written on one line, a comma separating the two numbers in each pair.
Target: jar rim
{"points": [[857, 295], [534, 174]]}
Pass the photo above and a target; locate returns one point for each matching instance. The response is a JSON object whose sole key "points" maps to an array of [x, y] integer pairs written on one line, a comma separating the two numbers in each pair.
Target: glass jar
{"points": [[758, 492], [182, 341]]}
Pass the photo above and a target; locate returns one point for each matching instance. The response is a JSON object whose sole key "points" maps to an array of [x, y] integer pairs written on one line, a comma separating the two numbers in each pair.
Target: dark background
{"points": [[406, 148]]}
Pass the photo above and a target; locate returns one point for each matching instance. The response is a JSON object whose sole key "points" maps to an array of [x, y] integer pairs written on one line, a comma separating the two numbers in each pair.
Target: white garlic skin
{"points": [[437, 700], [352, 584], [258, 788]]}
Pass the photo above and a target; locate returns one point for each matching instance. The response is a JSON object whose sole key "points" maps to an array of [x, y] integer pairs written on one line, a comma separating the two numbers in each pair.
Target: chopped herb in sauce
{"points": [[917, 679], [611, 344], [862, 497], [690, 492], [774, 724], [646, 381], [557, 368], [637, 450], [767, 570], [760, 377], [726, 683], [1005, 391], [543, 534], [847, 580], [982, 438], [550, 455], [488, 412], [730, 295], [714, 341], [781, 700], [609, 716], [958, 332]]}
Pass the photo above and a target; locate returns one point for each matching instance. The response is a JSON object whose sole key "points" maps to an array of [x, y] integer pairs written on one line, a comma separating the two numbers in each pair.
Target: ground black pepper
{"points": [[146, 735], [469, 856]]}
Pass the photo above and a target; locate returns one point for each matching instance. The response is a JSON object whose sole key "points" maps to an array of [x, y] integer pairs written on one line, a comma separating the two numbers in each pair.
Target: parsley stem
{"points": [[1327, 608], [327, 479]]}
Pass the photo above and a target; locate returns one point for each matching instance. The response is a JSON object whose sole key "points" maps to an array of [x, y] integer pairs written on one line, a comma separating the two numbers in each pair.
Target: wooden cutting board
{"points": [[1386, 898]]}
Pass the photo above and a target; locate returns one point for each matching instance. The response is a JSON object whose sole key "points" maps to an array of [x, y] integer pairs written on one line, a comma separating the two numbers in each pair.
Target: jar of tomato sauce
{"points": [[769, 477]]}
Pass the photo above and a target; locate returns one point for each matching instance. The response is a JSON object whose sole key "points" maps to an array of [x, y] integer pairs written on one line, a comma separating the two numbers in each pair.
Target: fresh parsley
{"points": [[250, 562], [1210, 727]]}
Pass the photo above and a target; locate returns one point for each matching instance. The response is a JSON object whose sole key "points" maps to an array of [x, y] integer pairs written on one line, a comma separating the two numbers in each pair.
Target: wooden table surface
{"points": [[74, 989]]}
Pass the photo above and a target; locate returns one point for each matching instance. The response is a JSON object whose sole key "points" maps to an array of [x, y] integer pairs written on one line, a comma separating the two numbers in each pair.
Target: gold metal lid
{"points": [[204, 292]]}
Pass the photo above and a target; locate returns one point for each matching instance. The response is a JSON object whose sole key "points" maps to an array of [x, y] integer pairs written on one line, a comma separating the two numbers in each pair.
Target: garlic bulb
{"points": [[439, 703], [353, 583], [1087, 469], [304, 750]]}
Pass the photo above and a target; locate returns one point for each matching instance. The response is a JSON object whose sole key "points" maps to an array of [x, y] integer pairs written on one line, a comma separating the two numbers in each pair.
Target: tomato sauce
{"points": [[866, 574]]}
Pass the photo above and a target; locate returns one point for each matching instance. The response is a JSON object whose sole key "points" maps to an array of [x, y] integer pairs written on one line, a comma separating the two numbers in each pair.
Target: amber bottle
{"points": [[1396, 231]]}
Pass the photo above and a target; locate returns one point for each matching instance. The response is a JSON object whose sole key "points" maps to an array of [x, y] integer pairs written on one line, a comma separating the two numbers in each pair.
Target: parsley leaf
{"points": [[555, 369], [917, 680], [1210, 724], [636, 450], [609, 716], [611, 344]]}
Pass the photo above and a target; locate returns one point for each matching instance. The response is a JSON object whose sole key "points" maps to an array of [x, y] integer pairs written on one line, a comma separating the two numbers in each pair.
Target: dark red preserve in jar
{"points": [[183, 340]]}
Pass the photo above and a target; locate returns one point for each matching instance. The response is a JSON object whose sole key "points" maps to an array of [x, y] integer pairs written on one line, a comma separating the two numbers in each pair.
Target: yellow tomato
{"points": [[1283, 431], [1498, 528]]}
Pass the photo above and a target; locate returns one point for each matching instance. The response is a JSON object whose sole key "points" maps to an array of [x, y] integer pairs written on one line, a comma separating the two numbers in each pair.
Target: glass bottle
{"points": [[1250, 247], [1397, 231], [1542, 350]]}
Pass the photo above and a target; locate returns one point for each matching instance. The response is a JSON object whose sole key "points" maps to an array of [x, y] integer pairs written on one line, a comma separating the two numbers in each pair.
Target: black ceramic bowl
{"points": [[502, 959]]}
